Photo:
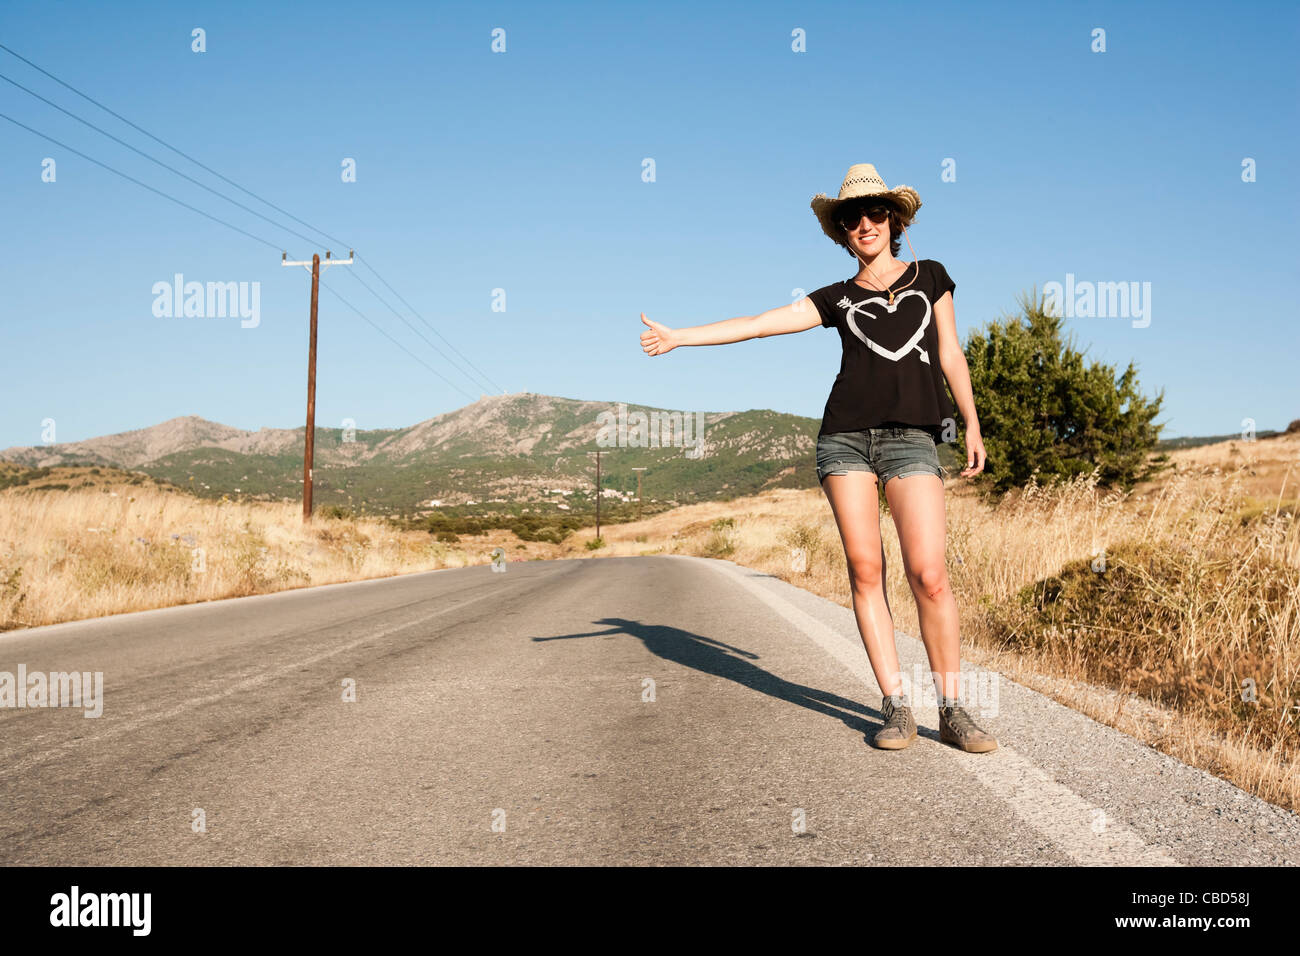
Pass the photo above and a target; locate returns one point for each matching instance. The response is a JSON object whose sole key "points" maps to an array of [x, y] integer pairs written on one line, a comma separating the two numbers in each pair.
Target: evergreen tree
{"points": [[1043, 409]]}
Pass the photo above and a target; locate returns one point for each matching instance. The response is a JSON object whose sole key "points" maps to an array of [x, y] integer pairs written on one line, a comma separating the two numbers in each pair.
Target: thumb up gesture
{"points": [[657, 339]]}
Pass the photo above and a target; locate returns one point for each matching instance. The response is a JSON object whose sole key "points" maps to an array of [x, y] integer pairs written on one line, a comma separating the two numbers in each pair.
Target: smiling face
{"points": [[867, 225]]}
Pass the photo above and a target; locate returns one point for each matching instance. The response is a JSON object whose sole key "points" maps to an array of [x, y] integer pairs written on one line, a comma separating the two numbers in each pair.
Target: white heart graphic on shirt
{"points": [[912, 343]]}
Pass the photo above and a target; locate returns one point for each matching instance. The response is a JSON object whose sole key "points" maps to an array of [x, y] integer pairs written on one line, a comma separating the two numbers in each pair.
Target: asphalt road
{"points": [[508, 718]]}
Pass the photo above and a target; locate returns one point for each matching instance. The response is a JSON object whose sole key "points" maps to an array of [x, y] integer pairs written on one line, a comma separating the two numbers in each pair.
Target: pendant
{"points": [[891, 298]]}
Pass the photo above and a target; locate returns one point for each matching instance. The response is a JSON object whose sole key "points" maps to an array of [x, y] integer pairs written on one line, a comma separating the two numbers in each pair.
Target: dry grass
{"points": [[110, 549], [1170, 612]]}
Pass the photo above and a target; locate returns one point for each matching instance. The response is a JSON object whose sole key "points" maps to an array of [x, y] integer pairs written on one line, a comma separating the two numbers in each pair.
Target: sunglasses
{"points": [[850, 214]]}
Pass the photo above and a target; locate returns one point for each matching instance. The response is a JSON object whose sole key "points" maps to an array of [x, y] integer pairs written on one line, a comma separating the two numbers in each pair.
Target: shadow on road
{"points": [[732, 663]]}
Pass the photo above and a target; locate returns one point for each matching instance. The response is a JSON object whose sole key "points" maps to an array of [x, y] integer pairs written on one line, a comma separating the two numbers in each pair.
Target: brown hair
{"points": [[895, 231]]}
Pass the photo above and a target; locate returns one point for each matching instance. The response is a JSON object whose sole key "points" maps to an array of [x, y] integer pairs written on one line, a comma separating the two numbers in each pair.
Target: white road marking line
{"points": [[1083, 831]]}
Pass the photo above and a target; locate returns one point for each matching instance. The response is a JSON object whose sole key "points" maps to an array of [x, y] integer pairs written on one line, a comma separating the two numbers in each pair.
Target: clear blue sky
{"points": [[522, 171]]}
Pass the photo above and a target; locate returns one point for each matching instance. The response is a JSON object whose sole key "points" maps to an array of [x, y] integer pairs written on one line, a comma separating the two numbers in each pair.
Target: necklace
{"points": [[873, 275], [876, 279]]}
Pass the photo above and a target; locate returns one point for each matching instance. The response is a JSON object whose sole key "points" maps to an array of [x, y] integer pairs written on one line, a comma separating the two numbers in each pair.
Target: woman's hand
{"points": [[658, 339], [974, 452]]}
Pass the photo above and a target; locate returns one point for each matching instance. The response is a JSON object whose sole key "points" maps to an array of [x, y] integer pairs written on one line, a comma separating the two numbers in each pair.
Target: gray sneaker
{"points": [[900, 725], [957, 728]]}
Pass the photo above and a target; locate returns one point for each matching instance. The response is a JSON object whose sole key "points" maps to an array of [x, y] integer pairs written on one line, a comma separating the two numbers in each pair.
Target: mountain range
{"points": [[502, 450]]}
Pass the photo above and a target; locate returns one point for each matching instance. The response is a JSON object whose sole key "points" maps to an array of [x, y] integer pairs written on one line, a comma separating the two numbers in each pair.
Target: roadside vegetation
{"points": [[76, 544], [1170, 611]]}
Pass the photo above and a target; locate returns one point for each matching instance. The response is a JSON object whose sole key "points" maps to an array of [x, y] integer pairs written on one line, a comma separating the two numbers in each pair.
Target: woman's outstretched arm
{"points": [[795, 317]]}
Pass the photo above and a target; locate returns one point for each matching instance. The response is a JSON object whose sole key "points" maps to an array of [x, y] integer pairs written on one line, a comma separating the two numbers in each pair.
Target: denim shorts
{"points": [[887, 452]]}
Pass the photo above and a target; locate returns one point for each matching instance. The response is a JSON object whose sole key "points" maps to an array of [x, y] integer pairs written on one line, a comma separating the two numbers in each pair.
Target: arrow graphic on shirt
{"points": [[913, 343]]}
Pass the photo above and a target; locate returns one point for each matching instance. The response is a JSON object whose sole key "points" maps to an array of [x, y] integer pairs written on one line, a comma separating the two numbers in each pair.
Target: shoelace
{"points": [[960, 721], [897, 717]]}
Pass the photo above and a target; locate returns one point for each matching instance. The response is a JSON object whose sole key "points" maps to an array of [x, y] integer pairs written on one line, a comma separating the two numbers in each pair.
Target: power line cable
{"points": [[163, 142], [153, 159], [223, 222], [366, 263], [179, 202], [243, 189], [409, 325], [394, 341]]}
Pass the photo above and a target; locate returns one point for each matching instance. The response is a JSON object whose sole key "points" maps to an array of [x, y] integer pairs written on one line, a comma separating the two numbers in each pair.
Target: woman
{"points": [[886, 410]]}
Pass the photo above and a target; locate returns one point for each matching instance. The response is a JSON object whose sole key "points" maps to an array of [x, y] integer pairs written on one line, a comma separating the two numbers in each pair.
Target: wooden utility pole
{"points": [[309, 455], [638, 492]]}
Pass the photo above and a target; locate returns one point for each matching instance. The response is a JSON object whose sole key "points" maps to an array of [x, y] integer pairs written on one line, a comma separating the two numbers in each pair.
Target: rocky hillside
{"points": [[502, 450]]}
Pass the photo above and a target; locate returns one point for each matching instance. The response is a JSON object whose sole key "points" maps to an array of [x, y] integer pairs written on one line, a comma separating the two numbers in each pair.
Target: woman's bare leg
{"points": [[854, 501], [917, 505]]}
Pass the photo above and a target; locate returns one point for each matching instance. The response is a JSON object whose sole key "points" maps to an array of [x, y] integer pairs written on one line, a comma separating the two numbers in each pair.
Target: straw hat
{"points": [[863, 180]]}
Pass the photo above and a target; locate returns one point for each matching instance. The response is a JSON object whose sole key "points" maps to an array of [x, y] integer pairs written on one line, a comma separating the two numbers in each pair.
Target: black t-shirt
{"points": [[890, 374]]}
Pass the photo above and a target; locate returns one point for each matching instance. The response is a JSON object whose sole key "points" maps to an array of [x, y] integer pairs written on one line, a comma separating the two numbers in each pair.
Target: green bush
{"points": [[528, 527], [1043, 410]]}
